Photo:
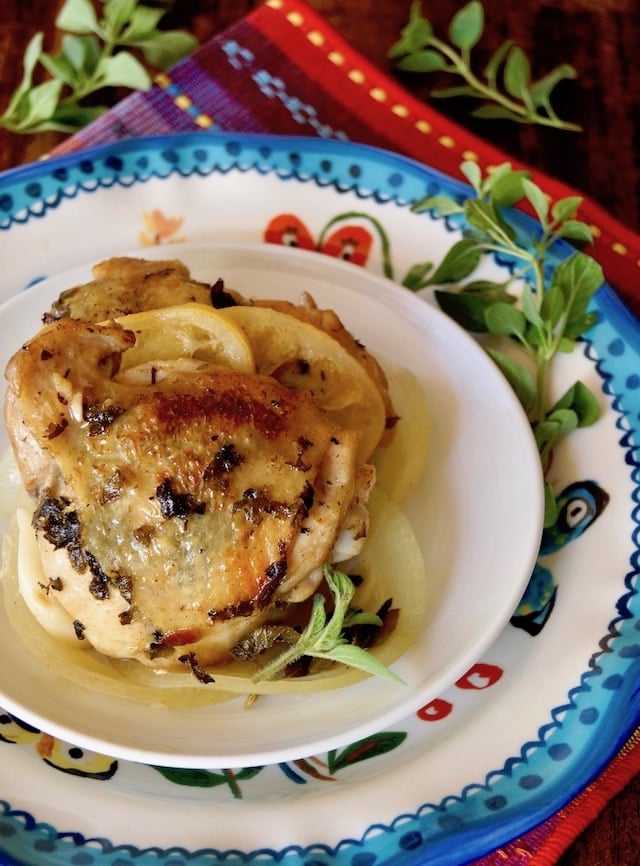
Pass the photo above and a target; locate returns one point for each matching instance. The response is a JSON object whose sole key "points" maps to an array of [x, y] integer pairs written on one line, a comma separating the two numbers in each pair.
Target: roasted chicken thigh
{"points": [[178, 506]]}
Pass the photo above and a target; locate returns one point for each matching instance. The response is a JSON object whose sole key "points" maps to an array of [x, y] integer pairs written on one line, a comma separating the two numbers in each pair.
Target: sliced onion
{"points": [[10, 483], [399, 465]]}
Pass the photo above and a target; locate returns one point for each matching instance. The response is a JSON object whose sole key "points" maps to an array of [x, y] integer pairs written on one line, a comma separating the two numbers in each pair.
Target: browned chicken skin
{"points": [[124, 285], [178, 504], [175, 514]]}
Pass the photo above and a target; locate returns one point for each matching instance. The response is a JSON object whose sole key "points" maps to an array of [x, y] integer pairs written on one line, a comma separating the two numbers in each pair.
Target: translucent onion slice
{"points": [[10, 482], [400, 464]]}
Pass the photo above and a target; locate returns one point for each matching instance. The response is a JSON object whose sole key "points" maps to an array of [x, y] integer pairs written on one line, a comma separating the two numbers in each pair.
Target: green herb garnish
{"points": [[505, 86], [546, 316], [96, 53], [323, 637]]}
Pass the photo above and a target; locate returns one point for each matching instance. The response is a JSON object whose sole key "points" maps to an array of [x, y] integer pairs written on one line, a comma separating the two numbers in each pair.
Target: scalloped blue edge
{"points": [[613, 345]]}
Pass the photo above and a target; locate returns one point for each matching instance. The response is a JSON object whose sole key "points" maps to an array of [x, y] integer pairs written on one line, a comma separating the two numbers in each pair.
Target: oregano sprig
{"points": [[545, 315], [324, 635], [97, 52], [505, 86]]}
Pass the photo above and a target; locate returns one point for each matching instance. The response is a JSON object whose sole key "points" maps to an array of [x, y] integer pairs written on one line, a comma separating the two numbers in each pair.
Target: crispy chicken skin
{"points": [[175, 512], [124, 285]]}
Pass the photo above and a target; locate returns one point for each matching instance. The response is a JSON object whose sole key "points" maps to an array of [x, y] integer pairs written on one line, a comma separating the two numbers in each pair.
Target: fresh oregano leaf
{"points": [[422, 61], [81, 52], [580, 277], [443, 205], [473, 173], [491, 178], [537, 199], [494, 65], [123, 70], [60, 67], [517, 72], [565, 345], [582, 402], [540, 91], [39, 103], [509, 188], [30, 61], [550, 506], [142, 24], [459, 261], [166, 47], [557, 424], [482, 215], [77, 16], [489, 111], [553, 306], [574, 230], [460, 90], [566, 208], [417, 276], [467, 310], [530, 310], [564, 420], [66, 118], [117, 13], [490, 291], [518, 377], [577, 327], [415, 35], [420, 50], [550, 313], [322, 637], [504, 320], [467, 26], [91, 58]]}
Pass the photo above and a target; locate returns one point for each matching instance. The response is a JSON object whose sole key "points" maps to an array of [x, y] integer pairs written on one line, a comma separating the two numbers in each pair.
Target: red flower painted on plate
{"points": [[480, 676], [289, 231], [435, 710], [349, 242]]}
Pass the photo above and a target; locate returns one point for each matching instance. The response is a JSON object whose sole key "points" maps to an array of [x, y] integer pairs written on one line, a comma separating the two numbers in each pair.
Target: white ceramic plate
{"points": [[535, 716], [482, 476]]}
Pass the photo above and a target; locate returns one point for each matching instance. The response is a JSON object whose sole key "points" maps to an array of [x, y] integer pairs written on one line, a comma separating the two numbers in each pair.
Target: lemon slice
{"points": [[303, 357], [189, 330]]}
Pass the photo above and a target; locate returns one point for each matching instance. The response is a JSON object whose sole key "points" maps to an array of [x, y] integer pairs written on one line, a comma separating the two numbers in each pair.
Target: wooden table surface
{"points": [[599, 37]]}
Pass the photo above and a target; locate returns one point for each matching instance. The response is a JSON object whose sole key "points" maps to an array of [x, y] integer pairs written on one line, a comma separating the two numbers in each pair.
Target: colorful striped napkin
{"points": [[284, 70]]}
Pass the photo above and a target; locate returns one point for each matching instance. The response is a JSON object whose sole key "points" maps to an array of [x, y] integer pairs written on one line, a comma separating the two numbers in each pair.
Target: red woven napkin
{"points": [[284, 70]]}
